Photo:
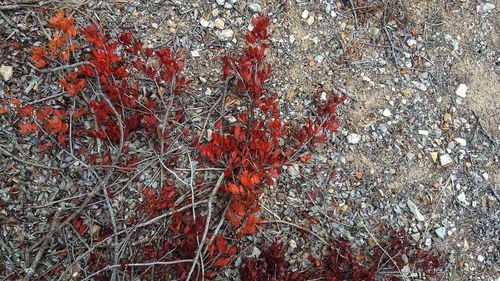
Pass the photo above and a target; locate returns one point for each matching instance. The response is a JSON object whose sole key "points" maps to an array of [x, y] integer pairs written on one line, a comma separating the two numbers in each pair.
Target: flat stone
{"points": [[445, 160], [440, 232], [414, 210], [461, 141]]}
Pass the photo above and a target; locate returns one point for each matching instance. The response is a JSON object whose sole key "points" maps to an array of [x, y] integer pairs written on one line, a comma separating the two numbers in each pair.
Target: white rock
{"points": [[319, 58], [441, 232], [485, 8], [293, 244], [353, 138], [220, 2], [411, 42], [208, 92], [219, 23], [254, 7], [414, 210], [461, 141], [461, 197], [204, 22], [310, 20], [195, 53], [423, 132], [323, 96], [293, 172], [445, 160], [6, 72], [228, 5], [225, 35], [386, 112], [305, 14], [461, 90], [480, 258], [291, 38], [154, 25], [333, 14]]}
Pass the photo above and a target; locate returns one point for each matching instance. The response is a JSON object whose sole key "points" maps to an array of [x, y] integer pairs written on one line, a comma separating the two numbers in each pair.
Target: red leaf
{"points": [[27, 128], [26, 111], [222, 262]]}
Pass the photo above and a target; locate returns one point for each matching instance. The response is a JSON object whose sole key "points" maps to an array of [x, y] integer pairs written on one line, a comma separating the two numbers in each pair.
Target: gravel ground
{"points": [[418, 146]]}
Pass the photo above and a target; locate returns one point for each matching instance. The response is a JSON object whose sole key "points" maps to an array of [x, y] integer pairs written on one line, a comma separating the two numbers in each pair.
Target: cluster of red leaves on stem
{"points": [[252, 150]]}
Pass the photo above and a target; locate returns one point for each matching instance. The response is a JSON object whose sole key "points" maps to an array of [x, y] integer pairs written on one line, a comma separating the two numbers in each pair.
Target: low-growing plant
{"points": [[116, 88]]}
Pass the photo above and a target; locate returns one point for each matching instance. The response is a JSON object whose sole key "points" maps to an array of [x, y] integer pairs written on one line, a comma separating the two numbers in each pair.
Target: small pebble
{"points": [[6, 72], [195, 53], [353, 138], [445, 160], [461, 90], [386, 112], [305, 14], [461, 141], [225, 35], [461, 197], [310, 20], [441, 232], [414, 210], [254, 7]]}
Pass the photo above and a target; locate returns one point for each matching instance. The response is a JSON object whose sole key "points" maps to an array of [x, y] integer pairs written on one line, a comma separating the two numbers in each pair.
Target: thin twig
{"points": [[296, 226], [217, 229], [43, 247], [385, 252], [207, 224]]}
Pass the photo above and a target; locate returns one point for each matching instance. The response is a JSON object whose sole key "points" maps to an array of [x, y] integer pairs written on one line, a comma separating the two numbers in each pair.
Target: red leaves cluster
{"points": [[60, 43], [153, 203], [72, 84], [249, 149]]}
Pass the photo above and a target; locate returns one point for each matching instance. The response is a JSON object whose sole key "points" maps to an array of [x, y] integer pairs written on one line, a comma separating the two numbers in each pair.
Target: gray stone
{"points": [[414, 210], [441, 232], [254, 7]]}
